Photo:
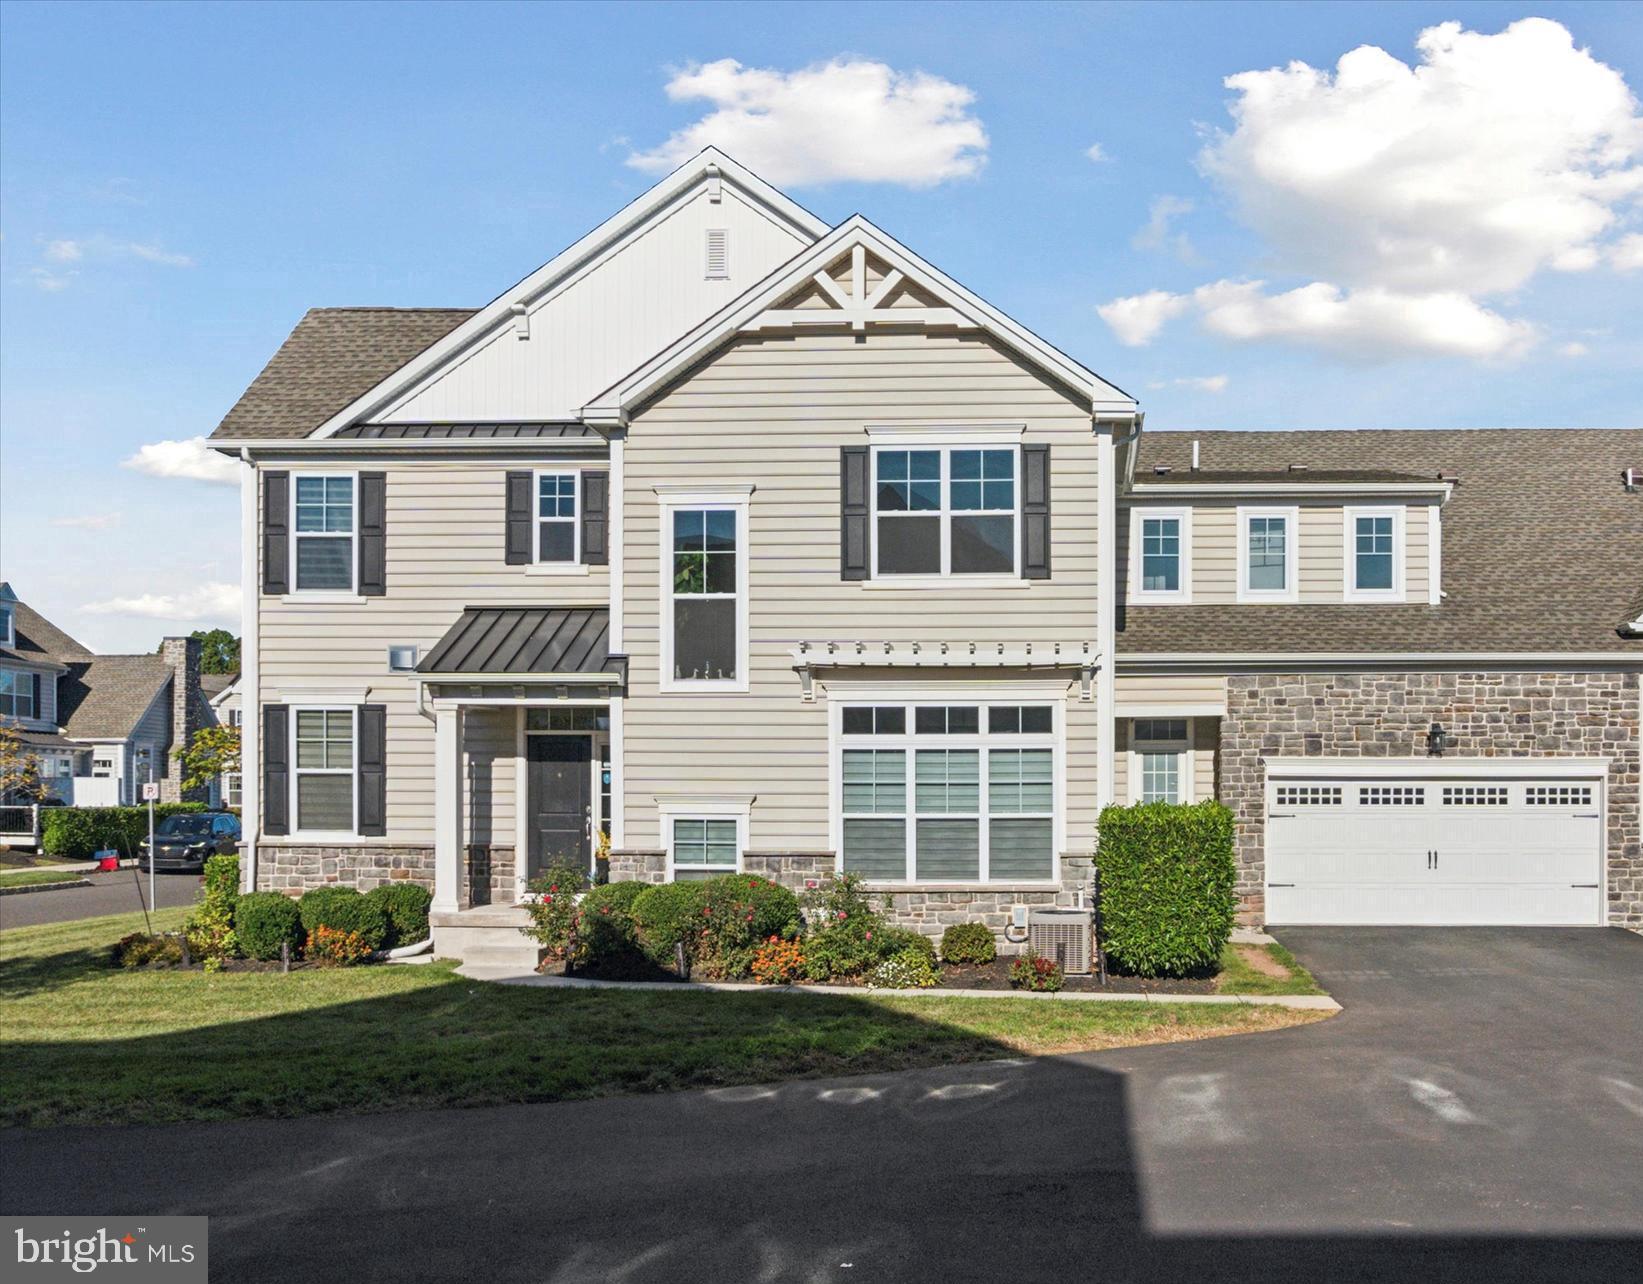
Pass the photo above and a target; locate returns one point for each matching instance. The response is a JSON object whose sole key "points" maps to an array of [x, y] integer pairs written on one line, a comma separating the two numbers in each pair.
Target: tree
{"points": [[20, 776], [213, 752], [219, 651]]}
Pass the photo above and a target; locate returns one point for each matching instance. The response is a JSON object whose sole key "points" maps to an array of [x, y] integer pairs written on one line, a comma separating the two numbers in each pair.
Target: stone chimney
{"points": [[182, 657]]}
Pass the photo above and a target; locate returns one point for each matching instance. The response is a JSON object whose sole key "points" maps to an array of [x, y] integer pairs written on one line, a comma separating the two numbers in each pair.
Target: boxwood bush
{"points": [[1168, 875], [406, 907], [343, 909], [74, 833], [608, 929], [666, 914], [968, 943], [263, 921]]}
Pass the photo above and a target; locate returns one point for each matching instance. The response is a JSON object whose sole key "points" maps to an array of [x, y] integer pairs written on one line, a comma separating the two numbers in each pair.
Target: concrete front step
{"points": [[487, 935]]}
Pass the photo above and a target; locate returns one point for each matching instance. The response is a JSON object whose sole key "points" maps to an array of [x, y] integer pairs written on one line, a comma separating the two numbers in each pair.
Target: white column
{"points": [[250, 688], [447, 808], [1108, 570]]}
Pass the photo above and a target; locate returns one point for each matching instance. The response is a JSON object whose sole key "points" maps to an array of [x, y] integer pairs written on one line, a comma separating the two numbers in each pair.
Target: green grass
{"points": [[82, 1043], [32, 877], [1238, 977]]}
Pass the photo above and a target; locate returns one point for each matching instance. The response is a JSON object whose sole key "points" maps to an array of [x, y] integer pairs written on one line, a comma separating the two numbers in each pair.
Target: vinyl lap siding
{"points": [[774, 412]]}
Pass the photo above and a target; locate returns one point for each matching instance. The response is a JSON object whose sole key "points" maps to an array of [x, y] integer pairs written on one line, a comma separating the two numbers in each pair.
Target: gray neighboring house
{"points": [[752, 543], [90, 718]]}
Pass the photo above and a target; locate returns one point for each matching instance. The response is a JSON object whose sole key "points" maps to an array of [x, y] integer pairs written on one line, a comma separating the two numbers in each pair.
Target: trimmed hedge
{"points": [[222, 879], [343, 909], [1168, 875], [666, 914], [74, 833], [608, 929], [968, 943], [405, 905], [263, 921]]}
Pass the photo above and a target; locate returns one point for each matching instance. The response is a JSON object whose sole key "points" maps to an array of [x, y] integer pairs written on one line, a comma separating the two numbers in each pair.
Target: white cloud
{"points": [[51, 282], [88, 522], [1627, 253], [1204, 383], [1137, 319], [103, 248], [63, 251], [848, 120], [1574, 348], [1156, 234], [190, 458], [217, 602], [154, 254], [1097, 153]]}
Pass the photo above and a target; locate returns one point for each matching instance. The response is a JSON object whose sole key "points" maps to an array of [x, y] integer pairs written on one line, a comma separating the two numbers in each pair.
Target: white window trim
{"points": [[1182, 748], [738, 810], [1350, 592], [351, 593], [1055, 741], [537, 565], [1291, 591], [945, 445], [737, 499], [15, 682], [8, 624], [353, 772], [1181, 596]]}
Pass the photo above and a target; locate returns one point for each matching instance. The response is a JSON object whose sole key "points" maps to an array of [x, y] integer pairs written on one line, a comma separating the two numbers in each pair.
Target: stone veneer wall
{"points": [[294, 870], [1386, 715], [925, 909]]}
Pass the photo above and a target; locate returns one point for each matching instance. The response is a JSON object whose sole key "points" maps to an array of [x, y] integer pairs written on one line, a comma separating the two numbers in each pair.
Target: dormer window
{"points": [[8, 626], [1267, 554], [1160, 549], [1374, 554]]}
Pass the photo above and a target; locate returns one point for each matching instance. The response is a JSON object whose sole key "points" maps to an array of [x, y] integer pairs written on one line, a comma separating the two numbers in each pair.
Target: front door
{"points": [[560, 793]]}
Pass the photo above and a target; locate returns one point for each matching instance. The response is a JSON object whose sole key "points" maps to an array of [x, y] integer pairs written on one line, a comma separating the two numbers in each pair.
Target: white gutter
{"points": [[267, 446], [1318, 489]]}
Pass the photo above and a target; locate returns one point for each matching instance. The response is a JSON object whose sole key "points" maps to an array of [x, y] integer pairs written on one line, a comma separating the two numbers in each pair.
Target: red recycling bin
{"points": [[106, 863]]}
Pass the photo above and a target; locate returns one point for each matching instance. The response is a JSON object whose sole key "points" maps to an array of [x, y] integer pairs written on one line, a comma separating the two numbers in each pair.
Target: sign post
{"points": [[151, 791]]}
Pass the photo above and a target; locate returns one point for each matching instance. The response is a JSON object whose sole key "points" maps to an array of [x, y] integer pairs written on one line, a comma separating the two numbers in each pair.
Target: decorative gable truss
{"points": [[859, 290]]}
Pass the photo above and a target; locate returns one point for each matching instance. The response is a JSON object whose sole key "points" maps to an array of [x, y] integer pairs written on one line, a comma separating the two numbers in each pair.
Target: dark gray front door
{"points": [[560, 792]]}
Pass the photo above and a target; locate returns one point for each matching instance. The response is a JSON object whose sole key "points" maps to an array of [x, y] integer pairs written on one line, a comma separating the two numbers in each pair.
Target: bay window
{"points": [[967, 795]]}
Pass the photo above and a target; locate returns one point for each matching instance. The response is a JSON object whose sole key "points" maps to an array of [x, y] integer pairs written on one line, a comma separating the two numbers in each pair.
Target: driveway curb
{"points": [[46, 887]]}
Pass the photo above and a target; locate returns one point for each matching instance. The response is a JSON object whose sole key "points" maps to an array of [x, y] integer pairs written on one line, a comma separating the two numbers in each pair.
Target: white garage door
{"points": [[1422, 849]]}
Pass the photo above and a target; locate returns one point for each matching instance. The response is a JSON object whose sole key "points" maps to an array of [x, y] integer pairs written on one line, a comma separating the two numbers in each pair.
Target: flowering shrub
{"points": [[778, 962], [333, 947], [738, 912], [1035, 972], [847, 934], [555, 917], [908, 969], [667, 915], [343, 909], [608, 929]]}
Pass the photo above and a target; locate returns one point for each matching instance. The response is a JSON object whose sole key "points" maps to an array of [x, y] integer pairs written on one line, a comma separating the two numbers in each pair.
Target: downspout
{"points": [[250, 687]]}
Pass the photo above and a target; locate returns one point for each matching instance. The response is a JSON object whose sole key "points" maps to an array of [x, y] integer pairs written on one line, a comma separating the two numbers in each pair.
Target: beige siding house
{"points": [[732, 540]]}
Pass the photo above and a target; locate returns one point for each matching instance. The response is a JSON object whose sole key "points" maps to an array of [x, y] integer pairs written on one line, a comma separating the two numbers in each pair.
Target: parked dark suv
{"points": [[182, 842]]}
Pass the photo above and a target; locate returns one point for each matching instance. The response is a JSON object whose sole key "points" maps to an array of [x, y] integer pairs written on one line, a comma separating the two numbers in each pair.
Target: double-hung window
{"points": [[556, 534], [324, 770], [1268, 543], [1160, 750], [933, 793], [945, 511], [704, 637], [8, 625], [323, 533], [17, 694], [1160, 551], [1374, 554]]}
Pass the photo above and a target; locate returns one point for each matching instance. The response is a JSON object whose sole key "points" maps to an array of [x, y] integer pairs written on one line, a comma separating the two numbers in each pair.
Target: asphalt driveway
{"points": [[115, 893], [1475, 1114]]}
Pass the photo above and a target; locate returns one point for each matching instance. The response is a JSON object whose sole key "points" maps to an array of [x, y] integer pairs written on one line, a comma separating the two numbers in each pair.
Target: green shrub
{"points": [[343, 909], [970, 943], [1167, 879], [740, 912], [608, 930], [263, 921], [895, 940], [141, 949], [1035, 972], [210, 928], [74, 833], [406, 907], [668, 914], [222, 878], [553, 911], [908, 969], [847, 933]]}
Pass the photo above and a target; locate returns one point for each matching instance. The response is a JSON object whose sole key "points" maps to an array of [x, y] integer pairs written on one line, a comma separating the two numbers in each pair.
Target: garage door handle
{"points": [[1588, 815], [1280, 815], [1591, 885], [1280, 884]]}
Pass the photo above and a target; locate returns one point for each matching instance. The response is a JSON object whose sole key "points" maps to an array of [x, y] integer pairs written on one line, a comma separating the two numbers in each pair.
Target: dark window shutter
{"points": [[276, 769], [39, 709], [373, 534], [1035, 512], [276, 531], [519, 518], [596, 518], [373, 770], [855, 535]]}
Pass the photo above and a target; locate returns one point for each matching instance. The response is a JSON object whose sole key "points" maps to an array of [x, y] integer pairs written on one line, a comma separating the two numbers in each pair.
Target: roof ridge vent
{"points": [[1297, 468], [1161, 470]]}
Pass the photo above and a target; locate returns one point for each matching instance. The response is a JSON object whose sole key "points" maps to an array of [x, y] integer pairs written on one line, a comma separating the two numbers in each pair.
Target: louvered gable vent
{"points": [[718, 254]]}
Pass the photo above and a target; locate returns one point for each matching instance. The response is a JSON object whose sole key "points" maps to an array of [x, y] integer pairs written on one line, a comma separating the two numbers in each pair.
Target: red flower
{"points": [[868, 937], [707, 909], [547, 898]]}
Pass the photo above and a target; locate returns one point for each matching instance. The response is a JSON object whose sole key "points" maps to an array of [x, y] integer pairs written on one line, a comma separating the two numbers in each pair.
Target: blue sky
{"points": [[179, 183]]}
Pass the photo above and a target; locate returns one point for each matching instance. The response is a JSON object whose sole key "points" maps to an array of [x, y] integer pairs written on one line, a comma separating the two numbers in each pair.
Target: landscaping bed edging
{"points": [[45, 887]]}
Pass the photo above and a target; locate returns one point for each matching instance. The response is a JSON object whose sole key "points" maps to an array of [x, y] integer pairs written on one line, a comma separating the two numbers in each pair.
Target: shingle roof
{"points": [[1542, 546], [396, 432], [516, 639], [214, 684], [103, 698], [333, 356], [39, 640]]}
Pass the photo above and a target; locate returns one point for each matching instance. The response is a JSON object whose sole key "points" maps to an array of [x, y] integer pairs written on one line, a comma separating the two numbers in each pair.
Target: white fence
{"points": [[93, 791]]}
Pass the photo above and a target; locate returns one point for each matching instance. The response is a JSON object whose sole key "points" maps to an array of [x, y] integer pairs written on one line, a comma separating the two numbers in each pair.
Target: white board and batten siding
{"points": [[1435, 845], [592, 330], [445, 551], [773, 412]]}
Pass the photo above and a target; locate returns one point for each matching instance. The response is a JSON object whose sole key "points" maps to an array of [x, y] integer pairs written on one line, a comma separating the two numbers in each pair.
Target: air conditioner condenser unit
{"points": [[1062, 935]]}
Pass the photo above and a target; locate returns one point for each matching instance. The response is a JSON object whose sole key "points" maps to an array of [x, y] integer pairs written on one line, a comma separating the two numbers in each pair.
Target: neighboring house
{"points": [[97, 722], [764, 545], [222, 693]]}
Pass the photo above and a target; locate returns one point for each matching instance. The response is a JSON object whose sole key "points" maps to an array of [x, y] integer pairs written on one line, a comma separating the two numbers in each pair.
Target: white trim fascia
{"points": [[521, 809], [1433, 768], [1295, 490], [320, 696], [250, 703], [611, 406], [1350, 592], [950, 432], [618, 774], [1158, 709], [1434, 555], [1155, 597], [1291, 592], [615, 545], [267, 449], [738, 499], [678, 493], [706, 167]]}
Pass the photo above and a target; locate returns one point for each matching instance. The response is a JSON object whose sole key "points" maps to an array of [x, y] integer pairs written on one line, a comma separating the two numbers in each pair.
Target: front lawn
{"points": [[34, 877], [1240, 973], [82, 1043]]}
